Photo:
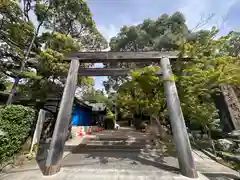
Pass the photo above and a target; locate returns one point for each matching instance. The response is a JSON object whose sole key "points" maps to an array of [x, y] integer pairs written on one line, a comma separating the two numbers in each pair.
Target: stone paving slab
{"points": [[97, 174], [208, 165]]}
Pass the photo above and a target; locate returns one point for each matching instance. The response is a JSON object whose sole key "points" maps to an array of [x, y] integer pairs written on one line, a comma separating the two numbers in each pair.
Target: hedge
{"points": [[16, 122]]}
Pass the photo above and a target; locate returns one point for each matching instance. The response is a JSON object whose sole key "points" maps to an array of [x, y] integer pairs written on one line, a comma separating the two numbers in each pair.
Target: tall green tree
{"points": [[210, 66], [68, 26], [95, 96], [234, 44], [142, 95], [163, 34]]}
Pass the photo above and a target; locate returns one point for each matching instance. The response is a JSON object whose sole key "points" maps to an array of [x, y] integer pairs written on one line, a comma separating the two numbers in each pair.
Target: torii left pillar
{"points": [[55, 153]]}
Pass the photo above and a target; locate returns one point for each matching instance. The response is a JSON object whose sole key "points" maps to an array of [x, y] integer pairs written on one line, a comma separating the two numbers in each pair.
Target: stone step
{"points": [[90, 150], [116, 148], [115, 143], [126, 133], [123, 136], [113, 174], [119, 138], [120, 131], [89, 146]]}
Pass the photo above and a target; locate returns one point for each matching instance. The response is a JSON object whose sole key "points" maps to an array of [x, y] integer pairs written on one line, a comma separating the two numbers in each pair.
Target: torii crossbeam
{"points": [[179, 130]]}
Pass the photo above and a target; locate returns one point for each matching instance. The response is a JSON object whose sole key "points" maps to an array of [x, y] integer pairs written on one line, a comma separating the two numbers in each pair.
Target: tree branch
{"points": [[202, 22], [26, 8], [3, 35]]}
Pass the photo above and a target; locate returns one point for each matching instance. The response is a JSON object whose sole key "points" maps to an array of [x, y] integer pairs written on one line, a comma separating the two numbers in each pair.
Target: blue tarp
{"points": [[81, 116]]}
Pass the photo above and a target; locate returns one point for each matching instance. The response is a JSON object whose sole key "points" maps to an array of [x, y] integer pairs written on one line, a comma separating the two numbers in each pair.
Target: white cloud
{"points": [[108, 31], [194, 11]]}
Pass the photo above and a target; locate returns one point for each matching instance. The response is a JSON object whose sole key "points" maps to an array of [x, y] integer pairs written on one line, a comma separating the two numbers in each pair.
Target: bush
{"points": [[16, 122], [109, 121]]}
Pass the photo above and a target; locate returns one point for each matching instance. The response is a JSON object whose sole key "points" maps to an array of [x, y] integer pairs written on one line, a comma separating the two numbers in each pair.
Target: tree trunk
{"points": [[13, 91], [161, 131], [137, 121], [16, 81]]}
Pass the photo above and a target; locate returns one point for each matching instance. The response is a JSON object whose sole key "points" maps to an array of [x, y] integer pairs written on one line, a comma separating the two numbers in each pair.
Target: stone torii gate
{"points": [[183, 147]]}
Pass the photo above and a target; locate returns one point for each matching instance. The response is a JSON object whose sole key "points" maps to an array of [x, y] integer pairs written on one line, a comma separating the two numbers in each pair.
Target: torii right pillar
{"points": [[180, 135]]}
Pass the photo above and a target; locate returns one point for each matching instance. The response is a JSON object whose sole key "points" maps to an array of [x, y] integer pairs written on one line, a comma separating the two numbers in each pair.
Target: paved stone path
{"points": [[123, 154]]}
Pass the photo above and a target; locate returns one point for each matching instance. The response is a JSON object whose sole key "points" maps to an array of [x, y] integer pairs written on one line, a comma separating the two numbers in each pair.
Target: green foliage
{"points": [[197, 79], [3, 82], [109, 121], [87, 81], [95, 96], [16, 34], [51, 63], [163, 34], [59, 42], [142, 94], [68, 27], [16, 121], [110, 114], [210, 67], [233, 46]]}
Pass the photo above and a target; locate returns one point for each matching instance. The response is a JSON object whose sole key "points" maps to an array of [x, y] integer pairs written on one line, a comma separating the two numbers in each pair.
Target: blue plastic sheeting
{"points": [[81, 117]]}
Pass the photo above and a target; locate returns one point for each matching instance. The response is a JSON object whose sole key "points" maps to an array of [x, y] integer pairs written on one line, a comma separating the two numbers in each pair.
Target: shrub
{"points": [[109, 120], [16, 122]]}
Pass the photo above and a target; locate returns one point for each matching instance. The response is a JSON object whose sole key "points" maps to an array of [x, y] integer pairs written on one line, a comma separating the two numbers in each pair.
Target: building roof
{"points": [[29, 101], [82, 104], [97, 106]]}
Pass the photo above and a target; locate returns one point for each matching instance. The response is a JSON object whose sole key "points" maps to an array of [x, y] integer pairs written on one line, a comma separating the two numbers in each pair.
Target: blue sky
{"points": [[111, 15]]}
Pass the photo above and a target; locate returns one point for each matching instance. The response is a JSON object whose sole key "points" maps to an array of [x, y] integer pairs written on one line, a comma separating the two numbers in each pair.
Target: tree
{"points": [[234, 44], [95, 96], [13, 46], [66, 23], [210, 65], [142, 95], [163, 34]]}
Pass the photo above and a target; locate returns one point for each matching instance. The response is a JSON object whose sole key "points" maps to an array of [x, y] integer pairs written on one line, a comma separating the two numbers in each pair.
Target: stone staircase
{"points": [[110, 144], [121, 154], [117, 141]]}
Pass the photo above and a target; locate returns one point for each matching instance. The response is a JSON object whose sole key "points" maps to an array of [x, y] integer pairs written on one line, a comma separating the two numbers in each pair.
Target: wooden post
{"points": [[184, 151], [60, 131], [38, 129]]}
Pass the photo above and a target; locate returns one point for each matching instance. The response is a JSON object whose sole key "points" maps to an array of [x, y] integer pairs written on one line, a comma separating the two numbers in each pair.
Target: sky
{"points": [[111, 15]]}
